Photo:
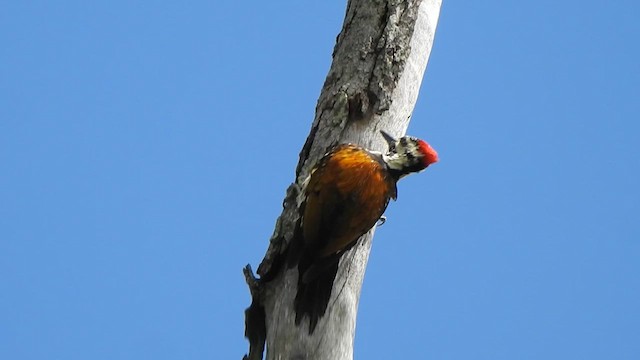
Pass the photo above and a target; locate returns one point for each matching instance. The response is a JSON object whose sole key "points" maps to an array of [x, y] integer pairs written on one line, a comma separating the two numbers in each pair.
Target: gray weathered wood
{"points": [[378, 64]]}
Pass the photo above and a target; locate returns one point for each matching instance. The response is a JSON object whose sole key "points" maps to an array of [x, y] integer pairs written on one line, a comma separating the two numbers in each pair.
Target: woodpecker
{"points": [[345, 195]]}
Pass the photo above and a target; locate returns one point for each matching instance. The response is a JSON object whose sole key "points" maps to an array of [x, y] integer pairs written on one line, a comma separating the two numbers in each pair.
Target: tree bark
{"points": [[378, 64]]}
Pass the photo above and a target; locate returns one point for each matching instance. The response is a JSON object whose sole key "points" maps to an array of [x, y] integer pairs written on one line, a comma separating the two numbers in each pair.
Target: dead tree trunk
{"points": [[378, 63]]}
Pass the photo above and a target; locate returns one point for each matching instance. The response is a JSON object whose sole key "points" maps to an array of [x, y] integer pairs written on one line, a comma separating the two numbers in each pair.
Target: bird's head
{"points": [[408, 154]]}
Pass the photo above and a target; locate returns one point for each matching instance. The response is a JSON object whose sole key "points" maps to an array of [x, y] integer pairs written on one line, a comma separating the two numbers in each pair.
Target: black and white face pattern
{"points": [[404, 156]]}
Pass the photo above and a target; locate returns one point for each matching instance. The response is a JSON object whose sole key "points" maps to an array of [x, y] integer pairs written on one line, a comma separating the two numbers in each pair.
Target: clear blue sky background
{"points": [[145, 149]]}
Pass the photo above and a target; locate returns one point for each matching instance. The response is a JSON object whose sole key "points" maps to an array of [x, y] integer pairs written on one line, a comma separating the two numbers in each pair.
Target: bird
{"points": [[344, 196]]}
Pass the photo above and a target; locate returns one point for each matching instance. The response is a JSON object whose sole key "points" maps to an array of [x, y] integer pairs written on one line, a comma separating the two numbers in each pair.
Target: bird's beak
{"points": [[390, 140]]}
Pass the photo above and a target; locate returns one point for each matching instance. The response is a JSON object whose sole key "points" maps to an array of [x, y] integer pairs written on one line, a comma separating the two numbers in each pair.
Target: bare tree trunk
{"points": [[378, 63]]}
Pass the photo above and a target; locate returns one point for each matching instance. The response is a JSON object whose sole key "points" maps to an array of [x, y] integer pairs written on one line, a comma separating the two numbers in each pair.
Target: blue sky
{"points": [[146, 149]]}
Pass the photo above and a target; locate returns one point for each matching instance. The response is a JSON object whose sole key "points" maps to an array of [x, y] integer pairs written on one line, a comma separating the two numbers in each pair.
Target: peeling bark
{"points": [[378, 63]]}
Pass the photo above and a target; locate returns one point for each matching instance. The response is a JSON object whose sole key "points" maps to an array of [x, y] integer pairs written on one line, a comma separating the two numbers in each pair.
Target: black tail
{"points": [[315, 281]]}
